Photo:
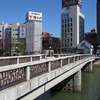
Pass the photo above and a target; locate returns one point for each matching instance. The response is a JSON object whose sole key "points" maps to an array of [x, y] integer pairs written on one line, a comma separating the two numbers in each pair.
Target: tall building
{"points": [[98, 21], [8, 40], [72, 24], [14, 37], [1, 41], [33, 32], [3, 27]]}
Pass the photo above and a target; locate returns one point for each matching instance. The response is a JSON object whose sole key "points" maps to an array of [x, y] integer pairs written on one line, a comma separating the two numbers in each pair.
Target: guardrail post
{"points": [[31, 59], [17, 60], [49, 66], [28, 73], [61, 62], [68, 60], [74, 59], [40, 57]]}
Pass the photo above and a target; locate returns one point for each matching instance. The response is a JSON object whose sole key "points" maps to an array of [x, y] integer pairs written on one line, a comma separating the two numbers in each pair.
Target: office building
{"points": [[8, 40], [14, 37], [98, 21], [3, 27], [33, 32], [72, 24]]}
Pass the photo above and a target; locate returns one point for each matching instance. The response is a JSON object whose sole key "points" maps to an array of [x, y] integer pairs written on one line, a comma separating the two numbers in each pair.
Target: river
{"points": [[90, 88]]}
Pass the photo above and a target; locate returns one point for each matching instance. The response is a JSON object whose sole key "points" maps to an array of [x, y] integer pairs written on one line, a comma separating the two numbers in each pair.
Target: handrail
{"points": [[19, 59], [16, 73]]}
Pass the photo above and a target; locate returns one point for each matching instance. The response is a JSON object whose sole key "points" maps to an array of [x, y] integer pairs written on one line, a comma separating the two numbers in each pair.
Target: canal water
{"points": [[90, 88]]}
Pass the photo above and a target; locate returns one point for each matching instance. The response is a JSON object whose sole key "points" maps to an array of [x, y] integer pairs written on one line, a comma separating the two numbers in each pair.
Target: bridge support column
{"points": [[77, 82], [74, 85], [89, 67]]}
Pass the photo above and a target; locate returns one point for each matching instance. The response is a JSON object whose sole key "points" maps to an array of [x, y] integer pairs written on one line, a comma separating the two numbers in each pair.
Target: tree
{"points": [[20, 48]]}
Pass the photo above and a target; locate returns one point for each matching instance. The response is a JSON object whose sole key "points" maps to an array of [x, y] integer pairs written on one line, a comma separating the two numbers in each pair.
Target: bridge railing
{"points": [[19, 59], [11, 75]]}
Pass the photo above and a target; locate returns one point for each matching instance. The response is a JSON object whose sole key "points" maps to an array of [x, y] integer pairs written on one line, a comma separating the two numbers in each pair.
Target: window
{"points": [[16, 29], [62, 26], [71, 44], [71, 34], [71, 24], [71, 19], [71, 39], [65, 25], [65, 30], [68, 24], [71, 29], [68, 20]]}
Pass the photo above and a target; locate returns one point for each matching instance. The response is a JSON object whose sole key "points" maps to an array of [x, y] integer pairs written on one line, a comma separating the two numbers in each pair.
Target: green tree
{"points": [[20, 48]]}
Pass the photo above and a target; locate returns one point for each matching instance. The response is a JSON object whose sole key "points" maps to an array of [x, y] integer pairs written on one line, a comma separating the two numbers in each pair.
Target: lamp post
{"points": [[17, 50]]}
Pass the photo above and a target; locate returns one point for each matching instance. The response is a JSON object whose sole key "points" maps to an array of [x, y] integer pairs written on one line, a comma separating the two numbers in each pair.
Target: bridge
{"points": [[27, 77]]}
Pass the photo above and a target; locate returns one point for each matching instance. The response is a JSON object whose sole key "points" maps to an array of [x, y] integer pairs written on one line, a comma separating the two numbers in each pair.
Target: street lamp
{"points": [[17, 50]]}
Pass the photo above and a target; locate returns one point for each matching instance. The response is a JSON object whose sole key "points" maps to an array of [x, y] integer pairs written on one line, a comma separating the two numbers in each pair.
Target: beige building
{"points": [[14, 36]]}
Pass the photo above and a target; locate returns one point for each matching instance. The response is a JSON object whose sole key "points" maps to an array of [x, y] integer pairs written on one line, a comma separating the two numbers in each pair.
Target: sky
{"points": [[12, 11]]}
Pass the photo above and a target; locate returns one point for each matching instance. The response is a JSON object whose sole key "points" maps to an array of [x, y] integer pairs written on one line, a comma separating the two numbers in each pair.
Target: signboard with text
{"points": [[22, 31], [66, 3], [35, 16]]}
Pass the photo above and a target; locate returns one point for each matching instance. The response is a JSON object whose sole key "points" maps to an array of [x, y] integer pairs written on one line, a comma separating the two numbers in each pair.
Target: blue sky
{"points": [[15, 10]]}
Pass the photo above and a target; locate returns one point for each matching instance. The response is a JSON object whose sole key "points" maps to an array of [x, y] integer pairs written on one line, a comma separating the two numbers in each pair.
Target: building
{"points": [[8, 40], [22, 38], [33, 32], [14, 37], [98, 21], [72, 25], [1, 41], [46, 35], [50, 42], [3, 27], [85, 47], [91, 36]]}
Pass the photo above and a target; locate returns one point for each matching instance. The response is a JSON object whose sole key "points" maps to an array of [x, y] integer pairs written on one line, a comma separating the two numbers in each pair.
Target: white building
{"points": [[72, 24], [33, 32], [85, 47]]}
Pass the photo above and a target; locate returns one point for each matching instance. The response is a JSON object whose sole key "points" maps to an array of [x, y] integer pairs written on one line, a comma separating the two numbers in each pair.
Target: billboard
{"points": [[37, 16], [66, 3], [22, 31]]}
